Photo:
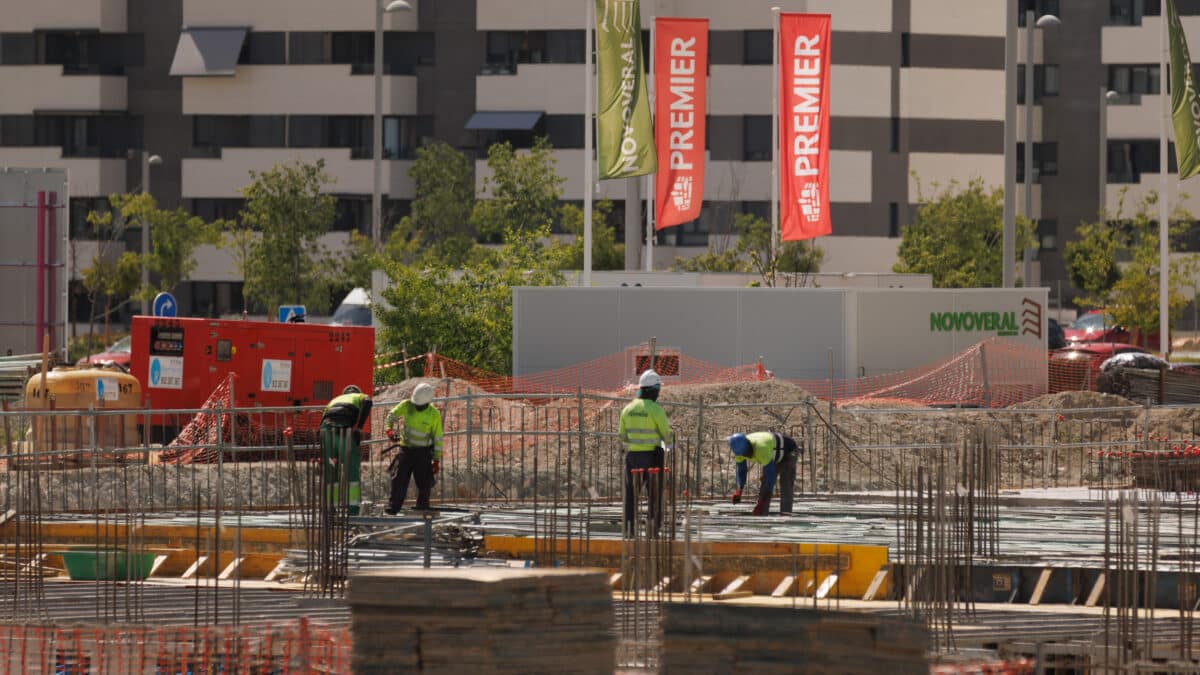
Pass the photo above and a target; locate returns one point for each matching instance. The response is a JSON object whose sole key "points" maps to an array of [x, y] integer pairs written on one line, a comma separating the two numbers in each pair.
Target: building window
{"points": [[404, 51], [402, 135], [1039, 7], [893, 219], [894, 143], [264, 49], [756, 138], [1045, 82], [1047, 235], [756, 209], [506, 49], [1129, 159], [210, 210], [17, 49], [1130, 12], [905, 50], [306, 49], [238, 131], [564, 131], [1045, 161], [757, 47], [80, 207], [1134, 78], [82, 135]]}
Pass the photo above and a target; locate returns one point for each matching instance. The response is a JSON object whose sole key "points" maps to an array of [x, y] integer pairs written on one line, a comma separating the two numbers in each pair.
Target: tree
{"points": [[286, 262], [957, 236], [175, 235], [607, 254], [794, 261], [112, 274], [522, 192], [1129, 289], [466, 315]]}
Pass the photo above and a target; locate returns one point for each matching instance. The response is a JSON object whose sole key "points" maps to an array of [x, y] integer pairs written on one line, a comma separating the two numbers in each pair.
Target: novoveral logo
{"points": [[1003, 323]]}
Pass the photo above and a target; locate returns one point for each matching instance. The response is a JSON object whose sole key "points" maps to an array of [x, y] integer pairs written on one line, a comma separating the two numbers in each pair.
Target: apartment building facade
{"points": [[220, 88]]}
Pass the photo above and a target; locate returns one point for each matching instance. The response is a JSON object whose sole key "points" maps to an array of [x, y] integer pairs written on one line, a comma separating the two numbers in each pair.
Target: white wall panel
{"points": [[289, 90]]}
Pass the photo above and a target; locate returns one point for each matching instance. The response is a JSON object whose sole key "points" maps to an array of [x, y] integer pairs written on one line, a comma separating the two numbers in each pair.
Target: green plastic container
{"points": [[107, 565]]}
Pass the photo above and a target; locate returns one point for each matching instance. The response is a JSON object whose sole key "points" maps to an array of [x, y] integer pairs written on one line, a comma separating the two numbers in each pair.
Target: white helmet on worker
{"points": [[422, 394], [649, 379]]}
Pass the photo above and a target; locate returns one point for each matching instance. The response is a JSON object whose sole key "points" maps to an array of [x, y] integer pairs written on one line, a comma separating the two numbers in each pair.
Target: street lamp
{"points": [[377, 123], [1106, 96], [148, 160], [1046, 21]]}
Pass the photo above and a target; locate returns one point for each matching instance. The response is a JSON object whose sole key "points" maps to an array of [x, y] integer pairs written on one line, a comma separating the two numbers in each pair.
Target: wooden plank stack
{"points": [[719, 638], [482, 620]]}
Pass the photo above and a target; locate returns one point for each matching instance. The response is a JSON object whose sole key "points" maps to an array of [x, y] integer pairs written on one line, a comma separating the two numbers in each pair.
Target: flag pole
{"points": [[774, 137], [588, 180], [651, 178], [1164, 319]]}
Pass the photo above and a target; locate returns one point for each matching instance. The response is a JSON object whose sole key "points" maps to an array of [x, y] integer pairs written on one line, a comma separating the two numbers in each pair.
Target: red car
{"points": [[116, 354], [1075, 367], [1098, 325]]}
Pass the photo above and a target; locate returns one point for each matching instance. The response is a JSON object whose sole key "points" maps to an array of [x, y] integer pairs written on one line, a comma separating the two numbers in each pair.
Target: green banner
{"points": [[1185, 105], [625, 136]]}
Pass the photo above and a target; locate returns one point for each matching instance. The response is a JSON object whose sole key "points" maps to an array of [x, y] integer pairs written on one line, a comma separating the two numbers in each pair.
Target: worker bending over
{"points": [[341, 433], [778, 455], [420, 455], [646, 434]]}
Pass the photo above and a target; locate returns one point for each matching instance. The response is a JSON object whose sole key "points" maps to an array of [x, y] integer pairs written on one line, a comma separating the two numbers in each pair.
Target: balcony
{"points": [[297, 90], [29, 89], [224, 176]]}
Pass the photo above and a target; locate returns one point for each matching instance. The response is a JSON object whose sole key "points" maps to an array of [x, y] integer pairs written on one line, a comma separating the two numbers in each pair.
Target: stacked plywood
{"points": [[485, 620], [718, 638]]}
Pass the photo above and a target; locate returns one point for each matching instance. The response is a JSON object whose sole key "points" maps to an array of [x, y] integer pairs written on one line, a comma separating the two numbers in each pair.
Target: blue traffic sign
{"points": [[289, 312], [165, 305]]}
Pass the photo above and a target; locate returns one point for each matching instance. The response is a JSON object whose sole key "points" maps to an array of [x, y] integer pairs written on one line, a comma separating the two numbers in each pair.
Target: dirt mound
{"points": [[881, 404], [768, 391], [1073, 400]]}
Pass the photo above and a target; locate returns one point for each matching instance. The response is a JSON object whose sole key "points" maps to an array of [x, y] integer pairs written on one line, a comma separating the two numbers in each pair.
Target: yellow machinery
{"points": [[81, 390]]}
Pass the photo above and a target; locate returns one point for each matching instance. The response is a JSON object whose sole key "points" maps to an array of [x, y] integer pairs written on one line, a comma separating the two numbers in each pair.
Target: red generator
{"points": [[180, 362]]}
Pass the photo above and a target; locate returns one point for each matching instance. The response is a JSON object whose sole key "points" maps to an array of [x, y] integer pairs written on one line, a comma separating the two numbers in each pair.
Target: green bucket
{"points": [[107, 565]]}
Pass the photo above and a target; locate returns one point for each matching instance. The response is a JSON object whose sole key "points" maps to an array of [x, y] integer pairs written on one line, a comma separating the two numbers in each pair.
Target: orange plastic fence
{"points": [[280, 647], [993, 373], [1018, 667]]}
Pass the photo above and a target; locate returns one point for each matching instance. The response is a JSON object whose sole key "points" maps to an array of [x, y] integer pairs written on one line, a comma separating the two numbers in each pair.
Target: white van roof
{"points": [[358, 296]]}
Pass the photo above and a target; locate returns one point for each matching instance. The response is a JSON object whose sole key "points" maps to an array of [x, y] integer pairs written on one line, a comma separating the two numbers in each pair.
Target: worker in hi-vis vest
{"points": [[647, 435], [341, 433], [420, 455], [777, 454]]}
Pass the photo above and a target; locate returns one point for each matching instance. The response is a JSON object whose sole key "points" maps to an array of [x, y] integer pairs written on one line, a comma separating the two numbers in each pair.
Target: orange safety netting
{"points": [[993, 373], [215, 423]]}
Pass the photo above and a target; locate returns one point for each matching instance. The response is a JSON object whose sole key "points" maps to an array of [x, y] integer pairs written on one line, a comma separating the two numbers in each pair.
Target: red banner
{"points": [[804, 126], [680, 97]]}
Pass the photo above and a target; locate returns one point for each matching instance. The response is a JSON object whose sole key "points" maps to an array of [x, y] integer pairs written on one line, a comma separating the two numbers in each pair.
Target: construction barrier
{"points": [[278, 647], [1017, 667]]}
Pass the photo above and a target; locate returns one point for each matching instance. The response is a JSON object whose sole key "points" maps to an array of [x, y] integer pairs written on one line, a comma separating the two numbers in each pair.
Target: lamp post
{"points": [[1106, 96], [377, 122], [1046, 21], [148, 160]]}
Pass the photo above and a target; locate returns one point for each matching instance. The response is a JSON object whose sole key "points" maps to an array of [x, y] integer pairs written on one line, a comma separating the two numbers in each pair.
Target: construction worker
{"points": [[420, 455], [341, 432], [647, 435], [777, 454]]}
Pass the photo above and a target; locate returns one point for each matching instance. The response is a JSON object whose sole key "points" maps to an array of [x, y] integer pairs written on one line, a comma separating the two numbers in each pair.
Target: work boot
{"points": [[760, 509]]}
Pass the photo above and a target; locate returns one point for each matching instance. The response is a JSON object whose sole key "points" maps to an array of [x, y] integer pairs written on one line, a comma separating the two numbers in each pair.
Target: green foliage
{"points": [[445, 193], [174, 237], [1129, 289], [465, 315], [752, 253], [607, 254], [957, 236], [522, 191], [286, 262], [112, 274]]}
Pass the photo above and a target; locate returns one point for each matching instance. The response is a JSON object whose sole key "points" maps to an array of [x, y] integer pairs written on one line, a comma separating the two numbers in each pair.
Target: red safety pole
{"points": [[51, 263], [41, 268]]}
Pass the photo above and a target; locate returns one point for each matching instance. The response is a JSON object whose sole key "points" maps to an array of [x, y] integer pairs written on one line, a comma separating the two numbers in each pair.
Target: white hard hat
{"points": [[422, 394], [649, 379]]}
